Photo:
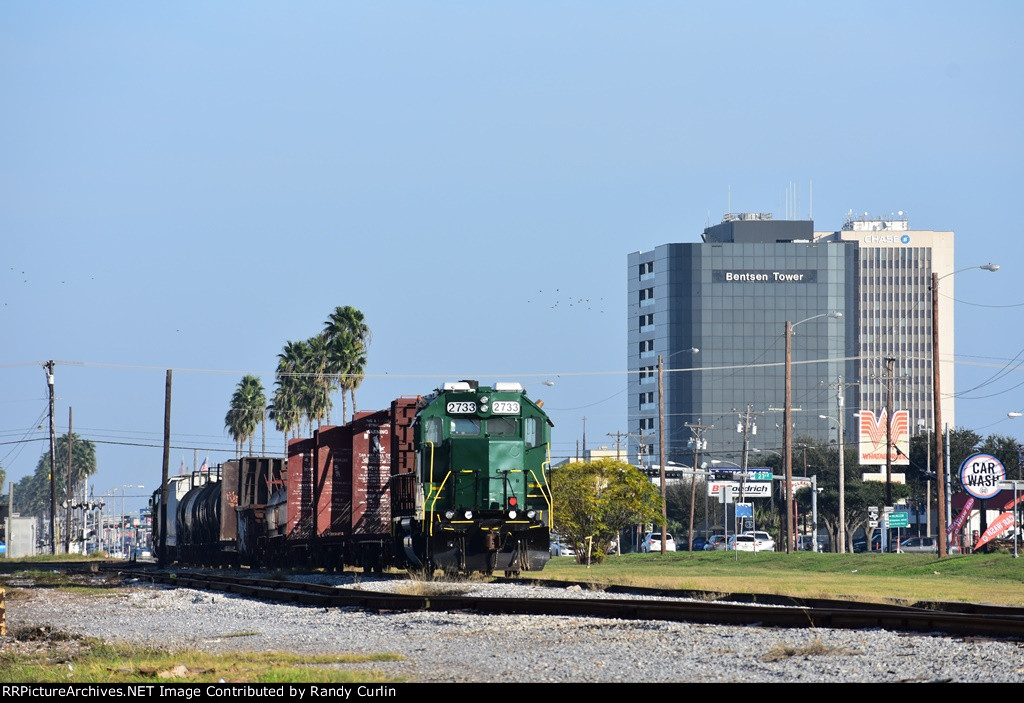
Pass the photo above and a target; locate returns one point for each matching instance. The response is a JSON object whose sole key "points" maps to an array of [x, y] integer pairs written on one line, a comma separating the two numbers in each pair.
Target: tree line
{"points": [[32, 492], [308, 373]]}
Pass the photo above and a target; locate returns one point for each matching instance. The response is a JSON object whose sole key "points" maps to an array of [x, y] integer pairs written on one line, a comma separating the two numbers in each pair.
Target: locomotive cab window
{"points": [[465, 426], [501, 427], [432, 430], [530, 432]]}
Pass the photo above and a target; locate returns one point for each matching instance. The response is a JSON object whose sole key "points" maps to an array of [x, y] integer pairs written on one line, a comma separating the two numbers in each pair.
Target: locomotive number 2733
{"points": [[457, 407], [505, 407]]}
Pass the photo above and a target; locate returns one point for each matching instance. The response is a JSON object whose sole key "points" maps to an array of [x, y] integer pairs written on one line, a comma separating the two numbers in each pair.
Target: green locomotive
{"points": [[482, 498]]}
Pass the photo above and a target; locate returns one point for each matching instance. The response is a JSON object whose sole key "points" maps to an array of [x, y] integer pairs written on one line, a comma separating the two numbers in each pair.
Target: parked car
{"points": [[560, 549], [699, 544], [924, 545], [765, 543], [743, 543], [807, 543], [3, 549], [715, 542], [861, 544], [652, 543]]}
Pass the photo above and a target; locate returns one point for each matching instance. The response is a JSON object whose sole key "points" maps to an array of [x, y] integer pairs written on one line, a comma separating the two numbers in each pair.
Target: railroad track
{"points": [[969, 620]]}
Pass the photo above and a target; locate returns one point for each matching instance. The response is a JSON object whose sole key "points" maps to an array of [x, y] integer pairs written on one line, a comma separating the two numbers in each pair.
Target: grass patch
{"points": [[70, 659], [989, 578], [80, 583], [816, 648], [420, 584]]}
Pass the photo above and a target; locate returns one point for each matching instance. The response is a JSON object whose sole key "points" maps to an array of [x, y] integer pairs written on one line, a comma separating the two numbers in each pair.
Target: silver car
{"points": [[920, 545]]}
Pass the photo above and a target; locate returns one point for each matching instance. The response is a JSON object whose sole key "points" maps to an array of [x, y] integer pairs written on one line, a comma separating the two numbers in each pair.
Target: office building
{"points": [[730, 297]]}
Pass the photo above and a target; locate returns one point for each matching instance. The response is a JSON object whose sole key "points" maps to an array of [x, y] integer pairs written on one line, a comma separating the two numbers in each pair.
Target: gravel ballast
{"points": [[464, 647]]}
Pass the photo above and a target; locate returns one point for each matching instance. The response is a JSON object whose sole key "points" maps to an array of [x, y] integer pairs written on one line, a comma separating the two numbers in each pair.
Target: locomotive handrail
{"points": [[434, 502], [544, 474]]}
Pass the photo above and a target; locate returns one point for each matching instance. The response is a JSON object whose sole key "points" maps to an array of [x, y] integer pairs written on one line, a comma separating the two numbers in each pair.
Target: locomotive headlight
{"points": [[449, 514], [531, 514], [512, 514], [483, 399], [469, 514]]}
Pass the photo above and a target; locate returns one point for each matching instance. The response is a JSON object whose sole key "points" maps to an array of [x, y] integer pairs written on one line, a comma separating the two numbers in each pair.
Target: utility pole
{"points": [[937, 417], [840, 419], [618, 444], [888, 429], [53, 463], [698, 444], [661, 451], [162, 547], [787, 440], [68, 500], [747, 428]]}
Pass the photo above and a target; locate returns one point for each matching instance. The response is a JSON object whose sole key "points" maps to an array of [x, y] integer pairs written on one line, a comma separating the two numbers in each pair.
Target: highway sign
{"points": [[900, 519]]}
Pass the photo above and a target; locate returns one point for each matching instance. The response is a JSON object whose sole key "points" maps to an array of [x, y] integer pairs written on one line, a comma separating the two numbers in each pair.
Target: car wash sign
{"points": [[980, 475]]}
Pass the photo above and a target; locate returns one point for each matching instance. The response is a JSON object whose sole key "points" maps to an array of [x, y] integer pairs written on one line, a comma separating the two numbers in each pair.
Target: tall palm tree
{"points": [[318, 383], [247, 411], [348, 337]]}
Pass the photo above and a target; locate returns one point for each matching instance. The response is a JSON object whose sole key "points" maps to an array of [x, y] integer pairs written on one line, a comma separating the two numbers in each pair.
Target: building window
{"points": [[646, 320], [647, 347], [646, 397], [646, 296]]}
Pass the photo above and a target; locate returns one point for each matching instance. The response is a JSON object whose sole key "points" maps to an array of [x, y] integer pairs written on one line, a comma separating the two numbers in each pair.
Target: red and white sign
{"points": [[962, 517], [1001, 525], [872, 438], [751, 489]]}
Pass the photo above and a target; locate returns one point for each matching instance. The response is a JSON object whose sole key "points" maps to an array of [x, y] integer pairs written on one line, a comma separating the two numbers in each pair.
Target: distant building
{"points": [[594, 455], [730, 296]]}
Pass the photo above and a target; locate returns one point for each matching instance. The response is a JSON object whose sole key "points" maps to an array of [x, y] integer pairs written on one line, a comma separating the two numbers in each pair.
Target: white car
{"points": [[743, 543], [765, 543], [560, 548], [652, 543]]}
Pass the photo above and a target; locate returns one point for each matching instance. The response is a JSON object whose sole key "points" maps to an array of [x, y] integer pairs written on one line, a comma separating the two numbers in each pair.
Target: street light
{"points": [[787, 438], [937, 401]]}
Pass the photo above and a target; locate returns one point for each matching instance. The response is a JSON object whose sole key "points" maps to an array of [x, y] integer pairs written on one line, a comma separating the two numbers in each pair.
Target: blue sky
{"points": [[190, 185]]}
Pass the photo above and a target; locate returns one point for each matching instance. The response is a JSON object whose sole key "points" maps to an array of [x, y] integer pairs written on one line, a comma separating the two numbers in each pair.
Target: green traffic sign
{"points": [[899, 519]]}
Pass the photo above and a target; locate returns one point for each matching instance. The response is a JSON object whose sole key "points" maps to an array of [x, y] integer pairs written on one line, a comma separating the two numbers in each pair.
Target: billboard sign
{"points": [[873, 436]]}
